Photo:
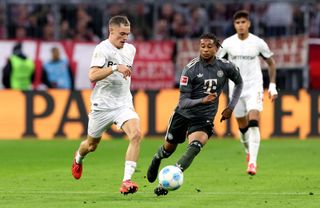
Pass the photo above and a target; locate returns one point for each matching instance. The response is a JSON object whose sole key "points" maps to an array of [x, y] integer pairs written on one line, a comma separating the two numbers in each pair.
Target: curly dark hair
{"points": [[211, 36]]}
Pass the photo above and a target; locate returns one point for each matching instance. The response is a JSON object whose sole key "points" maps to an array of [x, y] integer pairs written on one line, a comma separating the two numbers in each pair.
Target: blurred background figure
{"points": [[18, 73], [57, 72]]}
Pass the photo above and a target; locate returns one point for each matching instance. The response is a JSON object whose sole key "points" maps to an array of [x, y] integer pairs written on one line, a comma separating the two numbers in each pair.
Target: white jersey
{"points": [[113, 91], [245, 55]]}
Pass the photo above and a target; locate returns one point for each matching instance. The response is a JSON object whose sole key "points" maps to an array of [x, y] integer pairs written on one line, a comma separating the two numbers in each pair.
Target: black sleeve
{"points": [[44, 78], [186, 102], [234, 75], [6, 74]]}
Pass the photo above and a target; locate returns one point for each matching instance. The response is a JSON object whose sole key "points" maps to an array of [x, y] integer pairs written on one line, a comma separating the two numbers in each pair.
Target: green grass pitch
{"points": [[37, 174]]}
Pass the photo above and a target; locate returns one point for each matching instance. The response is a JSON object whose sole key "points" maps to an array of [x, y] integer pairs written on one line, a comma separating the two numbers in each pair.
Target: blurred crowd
{"points": [[155, 20]]}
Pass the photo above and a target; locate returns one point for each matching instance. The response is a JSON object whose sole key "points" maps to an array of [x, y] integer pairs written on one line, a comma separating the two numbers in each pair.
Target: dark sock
{"points": [[162, 153], [193, 149], [244, 130]]}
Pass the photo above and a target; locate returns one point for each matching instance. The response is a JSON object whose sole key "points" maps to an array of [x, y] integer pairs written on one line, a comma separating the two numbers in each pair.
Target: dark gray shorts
{"points": [[180, 127]]}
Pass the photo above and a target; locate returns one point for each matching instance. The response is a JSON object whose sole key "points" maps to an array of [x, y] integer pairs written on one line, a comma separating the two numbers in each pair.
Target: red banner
{"points": [[314, 63], [289, 52], [153, 67]]}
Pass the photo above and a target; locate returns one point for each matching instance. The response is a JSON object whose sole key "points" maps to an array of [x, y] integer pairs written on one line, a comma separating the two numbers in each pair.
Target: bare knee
{"points": [[169, 147]]}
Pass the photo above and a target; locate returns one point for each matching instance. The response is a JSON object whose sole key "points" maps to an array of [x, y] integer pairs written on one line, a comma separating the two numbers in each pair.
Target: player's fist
{"points": [[273, 94], [226, 114], [209, 98], [125, 70]]}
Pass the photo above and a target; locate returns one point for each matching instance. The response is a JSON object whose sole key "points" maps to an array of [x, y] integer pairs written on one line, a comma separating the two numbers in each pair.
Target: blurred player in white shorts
{"points": [[244, 49], [111, 99]]}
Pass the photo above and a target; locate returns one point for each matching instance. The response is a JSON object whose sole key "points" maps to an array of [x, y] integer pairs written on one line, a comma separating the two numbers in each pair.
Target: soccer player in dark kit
{"points": [[201, 84]]}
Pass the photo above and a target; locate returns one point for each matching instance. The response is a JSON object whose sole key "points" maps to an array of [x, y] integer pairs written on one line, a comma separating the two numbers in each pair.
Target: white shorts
{"points": [[100, 121], [250, 99]]}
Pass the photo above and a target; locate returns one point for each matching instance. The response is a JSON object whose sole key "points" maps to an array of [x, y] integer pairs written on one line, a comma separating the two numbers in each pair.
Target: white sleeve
{"points": [[133, 54], [222, 50], [264, 49], [98, 58]]}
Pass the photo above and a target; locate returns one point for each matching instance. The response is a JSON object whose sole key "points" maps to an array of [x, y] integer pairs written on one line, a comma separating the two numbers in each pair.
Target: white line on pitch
{"points": [[184, 194]]}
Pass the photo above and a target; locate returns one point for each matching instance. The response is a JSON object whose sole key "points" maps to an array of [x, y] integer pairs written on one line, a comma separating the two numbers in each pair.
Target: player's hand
{"points": [[226, 114], [125, 70], [273, 94], [209, 98]]}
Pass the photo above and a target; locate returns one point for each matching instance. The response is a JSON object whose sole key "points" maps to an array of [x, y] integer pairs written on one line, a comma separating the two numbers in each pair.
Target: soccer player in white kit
{"points": [[111, 99], [244, 49]]}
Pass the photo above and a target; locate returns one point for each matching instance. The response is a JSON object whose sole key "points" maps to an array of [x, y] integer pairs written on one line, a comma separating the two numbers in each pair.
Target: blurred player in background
{"points": [[111, 99], [57, 72], [18, 73], [201, 84], [244, 49]]}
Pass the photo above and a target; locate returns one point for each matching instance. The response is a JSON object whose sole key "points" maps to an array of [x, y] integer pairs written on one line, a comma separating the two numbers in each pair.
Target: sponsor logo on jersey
{"points": [[242, 57], [220, 73], [184, 80]]}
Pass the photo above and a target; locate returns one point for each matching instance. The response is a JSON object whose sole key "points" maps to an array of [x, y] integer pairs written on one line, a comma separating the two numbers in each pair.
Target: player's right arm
{"points": [[185, 100], [98, 71]]}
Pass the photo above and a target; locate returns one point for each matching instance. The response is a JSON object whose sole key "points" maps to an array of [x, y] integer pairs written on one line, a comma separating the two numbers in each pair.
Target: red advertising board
{"points": [[153, 66], [314, 63], [289, 52]]}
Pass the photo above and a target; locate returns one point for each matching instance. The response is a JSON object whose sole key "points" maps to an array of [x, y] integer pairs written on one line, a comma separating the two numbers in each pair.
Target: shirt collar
{"points": [[211, 62]]}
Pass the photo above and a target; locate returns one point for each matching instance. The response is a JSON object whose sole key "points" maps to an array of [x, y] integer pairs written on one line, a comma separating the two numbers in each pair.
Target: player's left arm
{"points": [[267, 56], [273, 94]]}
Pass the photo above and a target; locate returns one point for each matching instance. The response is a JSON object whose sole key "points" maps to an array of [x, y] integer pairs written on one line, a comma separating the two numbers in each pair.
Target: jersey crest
{"points": [[220, 73]]}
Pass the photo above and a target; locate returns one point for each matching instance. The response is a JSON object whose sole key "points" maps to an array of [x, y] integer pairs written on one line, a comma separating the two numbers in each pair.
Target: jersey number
{"points": [[210, 85]]}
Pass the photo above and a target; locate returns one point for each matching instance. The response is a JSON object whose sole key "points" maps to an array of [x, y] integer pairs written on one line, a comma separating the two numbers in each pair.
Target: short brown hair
{"points": [[118, 20], [240, 14]]}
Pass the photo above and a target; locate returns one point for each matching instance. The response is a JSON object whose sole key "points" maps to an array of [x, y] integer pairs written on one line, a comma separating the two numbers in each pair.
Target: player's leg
{"points": [[244, 134], [254, 140], [129, 122], [164, 151], [96, 125], [88, 145], [196, 141], [240, 113], [132, 129], [199, 131], [176, 133], [254, 107]]}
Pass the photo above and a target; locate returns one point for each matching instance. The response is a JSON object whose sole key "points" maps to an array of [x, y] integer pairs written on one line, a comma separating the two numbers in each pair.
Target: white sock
{"points": [[244, 139], [254, 143], [79, 158], [129, 169]]}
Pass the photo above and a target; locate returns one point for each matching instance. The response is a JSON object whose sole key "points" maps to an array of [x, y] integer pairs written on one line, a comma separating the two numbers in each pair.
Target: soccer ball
{"points": [[170, 177]]}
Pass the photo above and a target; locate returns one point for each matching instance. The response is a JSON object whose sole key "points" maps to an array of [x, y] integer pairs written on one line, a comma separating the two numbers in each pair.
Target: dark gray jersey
{"points": [[200, 78]]}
